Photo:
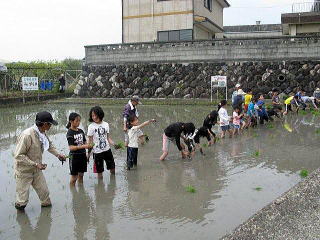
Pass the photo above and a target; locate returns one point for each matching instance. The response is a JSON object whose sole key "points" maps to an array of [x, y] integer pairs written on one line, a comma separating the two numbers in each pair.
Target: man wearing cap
{"points": [[130, 109], [28, 164], [316, 94], [238, 96]]}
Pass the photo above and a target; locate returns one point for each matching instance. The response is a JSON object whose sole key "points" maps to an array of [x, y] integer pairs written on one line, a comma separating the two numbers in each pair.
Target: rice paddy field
{"points": [[201, 198]]}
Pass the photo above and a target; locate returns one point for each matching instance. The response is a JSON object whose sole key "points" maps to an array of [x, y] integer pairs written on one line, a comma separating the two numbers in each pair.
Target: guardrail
{"points": [[306, 7]]}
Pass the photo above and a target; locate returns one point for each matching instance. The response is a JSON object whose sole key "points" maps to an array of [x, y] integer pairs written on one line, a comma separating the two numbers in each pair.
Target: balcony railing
{"points": [[306, 7]]}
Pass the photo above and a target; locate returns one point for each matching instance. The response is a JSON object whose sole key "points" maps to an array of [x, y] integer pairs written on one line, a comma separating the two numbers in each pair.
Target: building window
{"points": [[175, 35], [163, 36], [208, 4]]}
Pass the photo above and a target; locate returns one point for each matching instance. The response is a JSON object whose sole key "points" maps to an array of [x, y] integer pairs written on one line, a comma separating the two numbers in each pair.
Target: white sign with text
{"points": [[30, 83], [219, 82]]}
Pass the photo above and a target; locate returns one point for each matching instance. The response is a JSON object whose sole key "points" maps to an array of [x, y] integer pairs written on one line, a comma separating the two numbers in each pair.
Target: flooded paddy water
{"points": [[235, 179]]}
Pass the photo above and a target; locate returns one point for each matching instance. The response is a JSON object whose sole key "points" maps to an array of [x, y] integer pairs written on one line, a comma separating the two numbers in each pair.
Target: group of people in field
{"points": [[248, 111]]}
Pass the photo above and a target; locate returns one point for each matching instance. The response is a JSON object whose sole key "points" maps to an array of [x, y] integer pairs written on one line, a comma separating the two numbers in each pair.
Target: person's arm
{"points": [[54, 151], [125, 124], [125, 115], [75, 148], [111, 142], [314, 104], [178, 143], [23, 145], [90, 140], [146, 123]]}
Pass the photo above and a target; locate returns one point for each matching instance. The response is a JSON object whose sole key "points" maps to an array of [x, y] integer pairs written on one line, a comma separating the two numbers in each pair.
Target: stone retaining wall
{"points": [[193, 80]]}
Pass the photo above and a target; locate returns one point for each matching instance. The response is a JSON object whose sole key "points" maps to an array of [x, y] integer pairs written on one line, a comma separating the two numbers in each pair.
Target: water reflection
{"points": [[42, 228], [162, 199], [103, 213], [82, 211]]}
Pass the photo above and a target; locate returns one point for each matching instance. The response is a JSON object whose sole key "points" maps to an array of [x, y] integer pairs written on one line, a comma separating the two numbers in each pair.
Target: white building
{"points": [[171, 20]]}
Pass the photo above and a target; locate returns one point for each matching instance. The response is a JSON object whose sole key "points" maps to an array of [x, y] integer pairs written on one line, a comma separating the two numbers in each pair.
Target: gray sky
{"points": [[56, 29]]}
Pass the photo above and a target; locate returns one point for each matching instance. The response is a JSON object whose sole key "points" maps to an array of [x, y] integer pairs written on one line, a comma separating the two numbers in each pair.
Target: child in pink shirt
{"points": [[236, 120]]}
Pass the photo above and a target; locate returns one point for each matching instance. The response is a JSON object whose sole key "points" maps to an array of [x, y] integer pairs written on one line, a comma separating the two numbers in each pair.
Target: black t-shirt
{"points": [[76, 138], [210, 120], [202, 132]]}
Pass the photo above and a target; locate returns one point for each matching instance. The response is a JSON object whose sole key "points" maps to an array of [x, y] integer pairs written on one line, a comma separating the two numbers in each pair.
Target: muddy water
{"points": [[152, 202]]}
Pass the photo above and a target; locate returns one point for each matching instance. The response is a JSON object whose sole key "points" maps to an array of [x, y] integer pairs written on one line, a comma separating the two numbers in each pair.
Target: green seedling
{"points": [[255, 135], [303, 112], [304, 173], [190, 189], [119, 145], [315, 113], [318, 131], [258, 188], [204, 145], [256, 154], [268, 106], [270, 126]]}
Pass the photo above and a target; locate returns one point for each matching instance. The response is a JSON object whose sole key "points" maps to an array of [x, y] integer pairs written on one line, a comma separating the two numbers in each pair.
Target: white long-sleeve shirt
{"points": [[224, 117]]}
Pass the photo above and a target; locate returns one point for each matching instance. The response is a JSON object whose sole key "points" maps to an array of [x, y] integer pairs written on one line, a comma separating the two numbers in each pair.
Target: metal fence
{"points": [[10, 80], [306, 7]]}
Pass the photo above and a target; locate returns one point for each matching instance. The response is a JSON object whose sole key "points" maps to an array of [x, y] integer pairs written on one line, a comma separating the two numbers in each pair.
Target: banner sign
{"points": [[219, 81], [30, 83]]}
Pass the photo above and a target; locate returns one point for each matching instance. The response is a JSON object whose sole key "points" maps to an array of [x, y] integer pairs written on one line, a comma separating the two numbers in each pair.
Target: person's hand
{"points": [[88, 145], [153, 120], [62, 158], [41, 166], [184, 154], [125, 129]]}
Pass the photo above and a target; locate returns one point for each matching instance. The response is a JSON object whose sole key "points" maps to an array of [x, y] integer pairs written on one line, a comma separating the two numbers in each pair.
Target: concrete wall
{"points": [[251, 34], [308, 28], [201, 33], [296, 29], [253, 31], [142, 19], [280, 48]]}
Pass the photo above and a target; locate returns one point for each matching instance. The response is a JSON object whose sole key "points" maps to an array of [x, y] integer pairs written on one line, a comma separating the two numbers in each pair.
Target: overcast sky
{"points": [[56, 29]]}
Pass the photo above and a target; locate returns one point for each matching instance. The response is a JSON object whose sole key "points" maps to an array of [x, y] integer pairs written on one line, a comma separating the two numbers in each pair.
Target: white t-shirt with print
{"points": [[134, 133], [223, 116], [99, 133]]}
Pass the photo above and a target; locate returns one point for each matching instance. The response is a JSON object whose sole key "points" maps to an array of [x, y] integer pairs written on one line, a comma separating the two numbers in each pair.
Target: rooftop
{"points": [[254, 28]]}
